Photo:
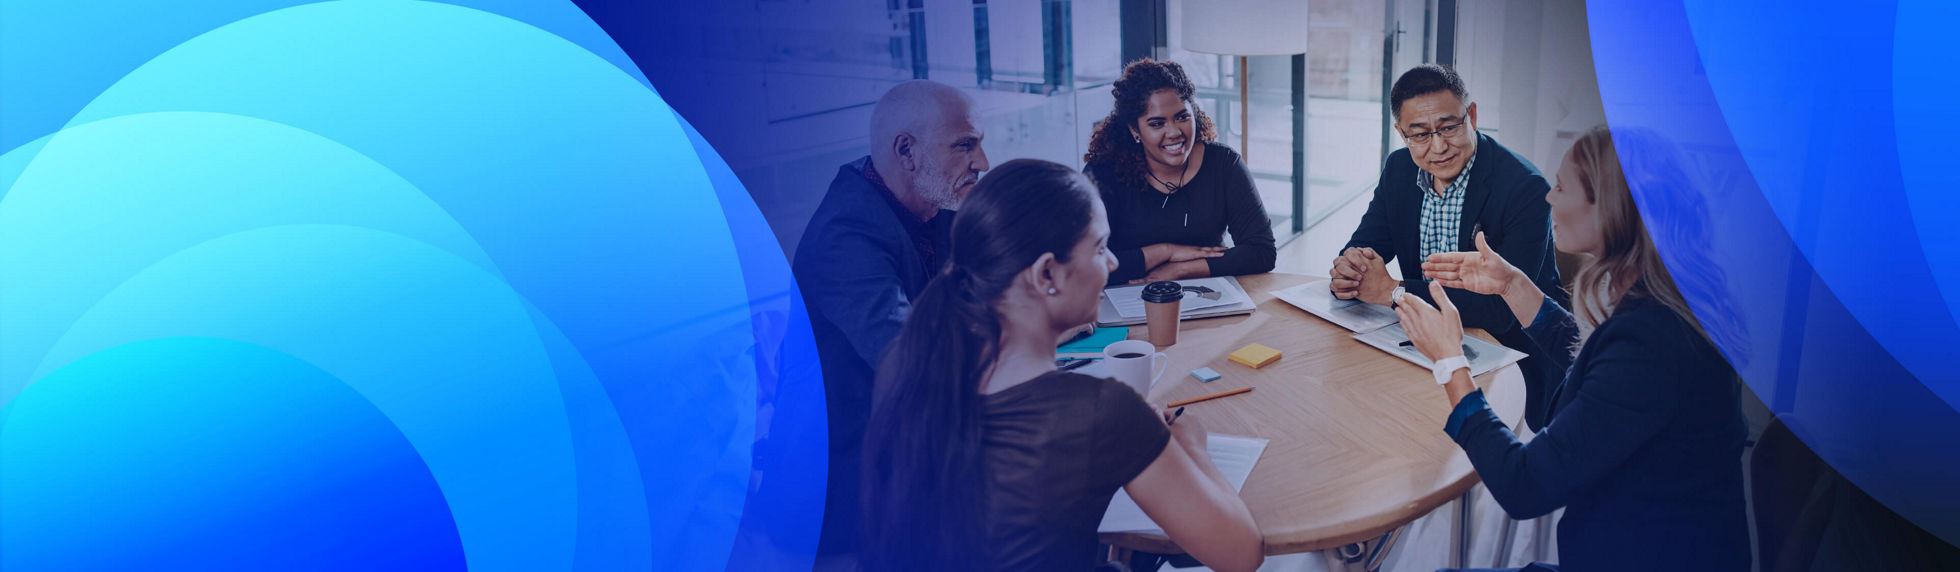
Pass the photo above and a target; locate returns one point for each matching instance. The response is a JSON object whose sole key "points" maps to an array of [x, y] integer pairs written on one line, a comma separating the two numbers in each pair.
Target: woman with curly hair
{"points": [[1171, 190]]}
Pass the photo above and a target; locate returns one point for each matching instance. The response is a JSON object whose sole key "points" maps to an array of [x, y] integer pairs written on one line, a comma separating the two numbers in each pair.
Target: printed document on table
{"points": [[1484, 356], [1129, 299], [1355, 315], [1234, 456]]}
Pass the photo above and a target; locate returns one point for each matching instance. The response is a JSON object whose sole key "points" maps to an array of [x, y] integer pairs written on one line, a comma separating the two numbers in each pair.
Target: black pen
{"points": [[1174, 416]]}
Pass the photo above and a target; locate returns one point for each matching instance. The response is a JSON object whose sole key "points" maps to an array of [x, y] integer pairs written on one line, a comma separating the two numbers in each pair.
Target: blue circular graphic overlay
{"points": [[374, 284], [1815, 130]]}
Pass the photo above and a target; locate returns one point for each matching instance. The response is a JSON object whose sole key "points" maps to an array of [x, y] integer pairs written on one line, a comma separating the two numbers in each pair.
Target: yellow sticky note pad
{"points": [[1255, 356]]}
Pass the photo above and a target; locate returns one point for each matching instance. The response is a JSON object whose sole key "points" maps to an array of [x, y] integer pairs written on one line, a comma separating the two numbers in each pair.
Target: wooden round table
{"points": [[1357, 445]]}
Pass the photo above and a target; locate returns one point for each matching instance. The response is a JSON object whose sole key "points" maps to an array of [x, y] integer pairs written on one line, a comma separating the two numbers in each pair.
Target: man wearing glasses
{"points": [[1450, 183]]}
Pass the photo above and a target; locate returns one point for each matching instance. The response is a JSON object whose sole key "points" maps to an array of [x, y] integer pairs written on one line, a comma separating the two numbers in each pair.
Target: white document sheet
{"points": [[1234, 456], [1484, 356], [1129, 299], [1355, 315]]}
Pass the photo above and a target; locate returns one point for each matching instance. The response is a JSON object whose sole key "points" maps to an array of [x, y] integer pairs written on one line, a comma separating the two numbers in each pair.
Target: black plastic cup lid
{"points": [[1166, 291]]}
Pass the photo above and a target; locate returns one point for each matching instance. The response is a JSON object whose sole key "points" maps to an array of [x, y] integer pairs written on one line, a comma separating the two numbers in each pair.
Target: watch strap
{"points": [[1446, 367]]}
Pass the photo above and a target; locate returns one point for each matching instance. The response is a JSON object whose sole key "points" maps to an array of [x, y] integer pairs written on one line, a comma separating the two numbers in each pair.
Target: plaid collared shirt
{"points": [[1442, 213]]}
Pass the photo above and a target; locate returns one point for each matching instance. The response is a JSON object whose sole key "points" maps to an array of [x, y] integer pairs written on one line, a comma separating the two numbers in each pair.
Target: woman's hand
{"points": [[1186, 253], [1187, 431], [1176, 271], [1184, 491], [1437, 333], [1483, 271]]}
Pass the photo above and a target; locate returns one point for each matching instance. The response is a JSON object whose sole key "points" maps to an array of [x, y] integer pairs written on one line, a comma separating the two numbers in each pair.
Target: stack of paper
{"points": [[1203, 298], [1129, 299], [1484, 356], [1379, 327], [1355, 315], [1234, 456]]}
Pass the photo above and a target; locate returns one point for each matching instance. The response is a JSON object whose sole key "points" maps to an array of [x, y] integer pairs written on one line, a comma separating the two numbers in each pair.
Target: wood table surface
{"points": [[1357, 444]]}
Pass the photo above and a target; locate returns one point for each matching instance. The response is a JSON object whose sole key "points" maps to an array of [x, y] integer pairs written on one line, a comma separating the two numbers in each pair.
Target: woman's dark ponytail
{"points": [[924, 491]]}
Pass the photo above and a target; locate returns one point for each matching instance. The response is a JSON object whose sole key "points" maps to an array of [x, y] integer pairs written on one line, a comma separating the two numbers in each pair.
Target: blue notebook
{"points": [[1093, 344]]}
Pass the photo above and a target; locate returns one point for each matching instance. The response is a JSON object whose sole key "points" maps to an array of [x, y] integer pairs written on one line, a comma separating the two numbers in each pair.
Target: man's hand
{"points": [[1344, 276], [1362, 274]]}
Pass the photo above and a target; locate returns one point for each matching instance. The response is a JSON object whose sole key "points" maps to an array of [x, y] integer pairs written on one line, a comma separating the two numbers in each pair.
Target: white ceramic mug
{"points": [[1141, 371]]}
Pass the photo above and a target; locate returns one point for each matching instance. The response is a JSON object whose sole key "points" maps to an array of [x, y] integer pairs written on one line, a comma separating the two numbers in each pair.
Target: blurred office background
{"points": [[1042, 72]]}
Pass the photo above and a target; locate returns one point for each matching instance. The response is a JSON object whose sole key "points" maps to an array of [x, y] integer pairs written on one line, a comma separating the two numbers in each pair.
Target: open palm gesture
{"points": [[1437, 331], [1483, 271]]}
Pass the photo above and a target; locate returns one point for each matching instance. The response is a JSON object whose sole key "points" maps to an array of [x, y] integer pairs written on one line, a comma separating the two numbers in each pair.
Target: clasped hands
{"points": [[1361, 274], [1177, 261]]}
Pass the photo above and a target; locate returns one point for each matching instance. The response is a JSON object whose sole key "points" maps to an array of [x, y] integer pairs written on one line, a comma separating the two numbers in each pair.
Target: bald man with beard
{"points": [[880, 234]]}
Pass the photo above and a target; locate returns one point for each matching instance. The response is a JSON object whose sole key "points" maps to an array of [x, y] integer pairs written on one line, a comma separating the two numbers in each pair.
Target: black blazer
{"points": [[1641, 444], [858, 271], [1506, 197]]}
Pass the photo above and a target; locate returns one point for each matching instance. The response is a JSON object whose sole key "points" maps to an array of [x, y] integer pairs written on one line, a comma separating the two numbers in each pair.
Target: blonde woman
{"points": [[1644, 442]]}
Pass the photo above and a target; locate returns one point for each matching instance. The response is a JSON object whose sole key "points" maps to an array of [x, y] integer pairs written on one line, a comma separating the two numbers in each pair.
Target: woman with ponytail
{"points": [[1644, 442], [980, 455]]}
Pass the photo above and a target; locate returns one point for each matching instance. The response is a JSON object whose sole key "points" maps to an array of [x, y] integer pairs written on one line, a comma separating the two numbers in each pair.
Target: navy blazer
{"points": [[858, 271], [1642, 445], [1506, 197]]}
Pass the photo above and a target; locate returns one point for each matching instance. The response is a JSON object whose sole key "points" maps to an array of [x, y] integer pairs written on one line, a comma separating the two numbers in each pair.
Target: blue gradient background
{"points": [[374, 283], [378, 283], [1822, 136]]}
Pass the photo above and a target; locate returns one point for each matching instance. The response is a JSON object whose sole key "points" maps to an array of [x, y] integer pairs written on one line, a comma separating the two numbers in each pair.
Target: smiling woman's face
{"points": [[1167, 129]]}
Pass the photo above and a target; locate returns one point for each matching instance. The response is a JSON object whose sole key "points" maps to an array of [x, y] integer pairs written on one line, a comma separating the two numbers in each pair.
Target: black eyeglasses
{"points": [[1447, 132]]}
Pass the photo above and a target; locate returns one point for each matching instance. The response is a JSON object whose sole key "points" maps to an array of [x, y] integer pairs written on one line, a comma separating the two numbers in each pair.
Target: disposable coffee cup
{"points": [[1136, 363], [1161, 302]]}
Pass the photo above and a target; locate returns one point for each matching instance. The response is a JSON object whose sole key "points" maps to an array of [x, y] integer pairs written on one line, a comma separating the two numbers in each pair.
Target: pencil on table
{"points": [[1185, 402]]}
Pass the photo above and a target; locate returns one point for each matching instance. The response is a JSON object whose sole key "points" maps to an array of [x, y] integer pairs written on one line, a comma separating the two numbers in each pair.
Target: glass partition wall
{"points": [[1041, 71]]}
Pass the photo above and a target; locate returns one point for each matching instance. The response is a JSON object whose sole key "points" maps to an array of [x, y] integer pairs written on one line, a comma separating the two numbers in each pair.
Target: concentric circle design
{"points": [[372, 284]]}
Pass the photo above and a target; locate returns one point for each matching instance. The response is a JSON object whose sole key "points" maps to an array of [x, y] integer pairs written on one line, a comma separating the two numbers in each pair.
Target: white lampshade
{"points": [[1246, 27]]}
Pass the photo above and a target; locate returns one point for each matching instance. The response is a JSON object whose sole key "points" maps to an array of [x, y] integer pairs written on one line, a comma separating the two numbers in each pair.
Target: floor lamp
{"points": [[1246, 28]]}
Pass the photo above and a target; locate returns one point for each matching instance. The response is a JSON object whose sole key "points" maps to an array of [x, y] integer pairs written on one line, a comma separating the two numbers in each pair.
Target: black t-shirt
{"points": [[1057, 448]]}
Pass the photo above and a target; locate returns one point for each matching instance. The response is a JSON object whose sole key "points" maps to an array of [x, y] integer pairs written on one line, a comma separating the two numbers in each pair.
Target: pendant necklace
{"points": [[1171, 189]]}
